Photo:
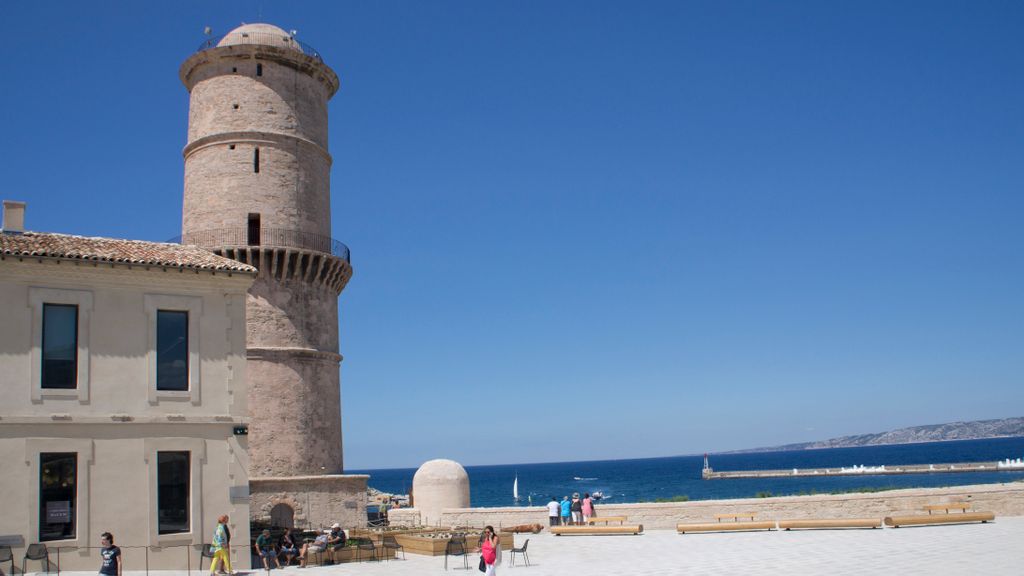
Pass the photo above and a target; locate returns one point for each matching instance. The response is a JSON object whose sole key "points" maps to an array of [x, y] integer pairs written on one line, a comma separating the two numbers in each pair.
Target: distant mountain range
{"points": [[1002, 428]]}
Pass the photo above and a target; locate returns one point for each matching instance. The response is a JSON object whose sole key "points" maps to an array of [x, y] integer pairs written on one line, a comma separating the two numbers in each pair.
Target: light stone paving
{"points": [[993, 548]]}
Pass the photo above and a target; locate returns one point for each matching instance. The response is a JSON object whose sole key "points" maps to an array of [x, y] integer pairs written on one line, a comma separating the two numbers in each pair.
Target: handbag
{"points": [[483, 565]]}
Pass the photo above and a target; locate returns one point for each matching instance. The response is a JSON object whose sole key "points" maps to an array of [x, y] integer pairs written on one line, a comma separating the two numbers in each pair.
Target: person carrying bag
{"points": [[490, 552]]}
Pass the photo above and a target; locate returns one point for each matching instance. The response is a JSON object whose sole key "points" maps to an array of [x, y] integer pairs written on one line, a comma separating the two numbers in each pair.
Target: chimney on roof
{"points": [[14, 217]]}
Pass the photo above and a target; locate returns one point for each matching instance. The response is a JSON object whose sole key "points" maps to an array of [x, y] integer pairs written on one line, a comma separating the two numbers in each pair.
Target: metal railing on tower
{"points": [[242, 236]]}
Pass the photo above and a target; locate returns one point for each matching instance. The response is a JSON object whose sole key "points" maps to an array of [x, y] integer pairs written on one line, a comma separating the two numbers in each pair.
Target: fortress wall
{"points": [[1003, 499]]}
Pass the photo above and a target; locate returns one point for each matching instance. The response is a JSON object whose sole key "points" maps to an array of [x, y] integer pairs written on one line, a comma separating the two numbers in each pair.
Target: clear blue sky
{"points": [[587, 229]]}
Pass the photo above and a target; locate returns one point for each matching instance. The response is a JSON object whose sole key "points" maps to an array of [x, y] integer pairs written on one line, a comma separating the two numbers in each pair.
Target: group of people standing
{"points": [[575, 512]]}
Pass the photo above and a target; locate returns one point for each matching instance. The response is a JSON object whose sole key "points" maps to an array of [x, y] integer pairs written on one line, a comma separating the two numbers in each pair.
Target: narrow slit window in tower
{"points": [[254, 229], [259, 69], [256, 161]]}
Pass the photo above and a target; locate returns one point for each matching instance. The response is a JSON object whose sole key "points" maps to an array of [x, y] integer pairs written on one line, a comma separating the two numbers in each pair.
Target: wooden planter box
{"points": [[421, 544], [349, 554], [378, 536]]}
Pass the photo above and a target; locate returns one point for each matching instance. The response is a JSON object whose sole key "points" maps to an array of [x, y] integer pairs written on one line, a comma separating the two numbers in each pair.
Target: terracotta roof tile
{"points": [[68, 247]]}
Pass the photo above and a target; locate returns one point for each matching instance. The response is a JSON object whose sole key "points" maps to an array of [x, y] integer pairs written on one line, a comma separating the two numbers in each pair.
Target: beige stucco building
{"points": [[123, 385]]}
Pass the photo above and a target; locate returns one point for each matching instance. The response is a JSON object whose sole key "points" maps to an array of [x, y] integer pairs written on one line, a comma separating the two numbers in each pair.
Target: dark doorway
{"points": [[282, 516], [254, 229]]}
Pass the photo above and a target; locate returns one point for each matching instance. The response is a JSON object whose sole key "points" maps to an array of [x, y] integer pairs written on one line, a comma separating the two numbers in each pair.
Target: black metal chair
{"points": [[389, 543], [6, 554], [365, 545], [36, 552], [522, 551], [456, 546]]}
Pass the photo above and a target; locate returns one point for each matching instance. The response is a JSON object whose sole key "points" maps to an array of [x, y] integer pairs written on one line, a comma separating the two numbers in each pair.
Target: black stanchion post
{"points": [[147, 560], [58, 563]]}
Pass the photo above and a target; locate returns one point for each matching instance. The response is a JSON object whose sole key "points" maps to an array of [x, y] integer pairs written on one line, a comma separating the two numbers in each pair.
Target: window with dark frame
{"points": [[172, 350], [60, 347], [172, 492], [58, 491]]}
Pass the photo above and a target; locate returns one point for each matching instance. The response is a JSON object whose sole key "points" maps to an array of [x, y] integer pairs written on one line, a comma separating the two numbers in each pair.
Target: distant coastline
{"points": [[949, 432]]}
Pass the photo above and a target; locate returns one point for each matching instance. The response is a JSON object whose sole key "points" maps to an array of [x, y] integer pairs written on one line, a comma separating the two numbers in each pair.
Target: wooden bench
{"points": [[590, 530], [607, 519], [830, 523], [722, 526], [961, 506], [735, 517], [897, 521]]}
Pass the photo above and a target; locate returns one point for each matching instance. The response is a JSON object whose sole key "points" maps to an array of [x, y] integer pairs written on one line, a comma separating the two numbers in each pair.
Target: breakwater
{"points": [[1007, 465]]}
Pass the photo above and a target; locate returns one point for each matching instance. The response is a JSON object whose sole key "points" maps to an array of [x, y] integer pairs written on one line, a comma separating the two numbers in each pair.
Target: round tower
{"points": [[257, 189]]}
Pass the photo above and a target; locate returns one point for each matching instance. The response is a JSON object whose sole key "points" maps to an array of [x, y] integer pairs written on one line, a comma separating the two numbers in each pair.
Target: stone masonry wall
{"points": [[294, 404], [317, 501], [1003, 499], [290, 191]]}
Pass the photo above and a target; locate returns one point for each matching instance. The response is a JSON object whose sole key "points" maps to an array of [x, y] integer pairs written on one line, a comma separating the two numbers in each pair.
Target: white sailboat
{"points": [[515, 488]]}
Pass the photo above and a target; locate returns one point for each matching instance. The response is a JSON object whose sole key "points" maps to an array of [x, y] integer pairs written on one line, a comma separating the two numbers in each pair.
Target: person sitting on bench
{"points": [[287, 546], [336, 539], [265, 549], [315, 547]]}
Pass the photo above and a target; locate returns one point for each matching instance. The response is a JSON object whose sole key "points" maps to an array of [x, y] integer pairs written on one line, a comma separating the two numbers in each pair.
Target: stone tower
{"points": [[257, 189]]}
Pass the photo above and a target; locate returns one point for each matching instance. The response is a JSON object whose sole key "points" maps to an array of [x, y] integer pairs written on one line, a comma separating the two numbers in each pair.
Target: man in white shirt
{"points": [[553, 510]]}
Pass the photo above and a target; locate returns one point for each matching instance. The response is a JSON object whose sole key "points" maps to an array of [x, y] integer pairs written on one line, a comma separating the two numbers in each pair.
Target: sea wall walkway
{"points": [[1004, 499]]}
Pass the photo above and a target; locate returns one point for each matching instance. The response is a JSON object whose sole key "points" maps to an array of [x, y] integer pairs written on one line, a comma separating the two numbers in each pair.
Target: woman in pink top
{"points": [[489, 550], [588, 508]]}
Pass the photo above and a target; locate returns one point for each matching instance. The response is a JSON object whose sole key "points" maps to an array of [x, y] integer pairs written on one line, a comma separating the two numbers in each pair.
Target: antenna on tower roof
{"points": [[293, 32], [207, 30]]}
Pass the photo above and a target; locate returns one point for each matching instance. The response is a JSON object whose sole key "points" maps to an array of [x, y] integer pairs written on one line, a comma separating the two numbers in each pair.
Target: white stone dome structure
{"points": [[263, 34], [439, 484]]}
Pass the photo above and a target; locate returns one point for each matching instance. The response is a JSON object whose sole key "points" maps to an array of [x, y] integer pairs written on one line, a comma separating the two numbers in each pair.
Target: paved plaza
{"points": [[993, 548]]}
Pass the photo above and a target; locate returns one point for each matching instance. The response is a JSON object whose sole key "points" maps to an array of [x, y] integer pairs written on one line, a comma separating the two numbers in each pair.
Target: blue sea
{"points": [[647, 479]]}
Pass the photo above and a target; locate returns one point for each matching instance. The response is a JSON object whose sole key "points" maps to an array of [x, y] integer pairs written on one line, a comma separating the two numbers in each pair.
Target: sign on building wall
{"points": [[58, 512]]}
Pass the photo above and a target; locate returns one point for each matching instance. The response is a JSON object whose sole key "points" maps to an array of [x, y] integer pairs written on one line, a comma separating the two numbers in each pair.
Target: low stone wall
{"points": [[316, 501], [1003, 499]]}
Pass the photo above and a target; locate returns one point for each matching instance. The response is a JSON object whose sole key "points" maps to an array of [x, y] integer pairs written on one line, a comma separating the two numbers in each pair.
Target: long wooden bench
{"points": [[721, 526], [582, 530], [830, 523], [607, 519], [735, 517], [961, 506], [897, 521]]}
